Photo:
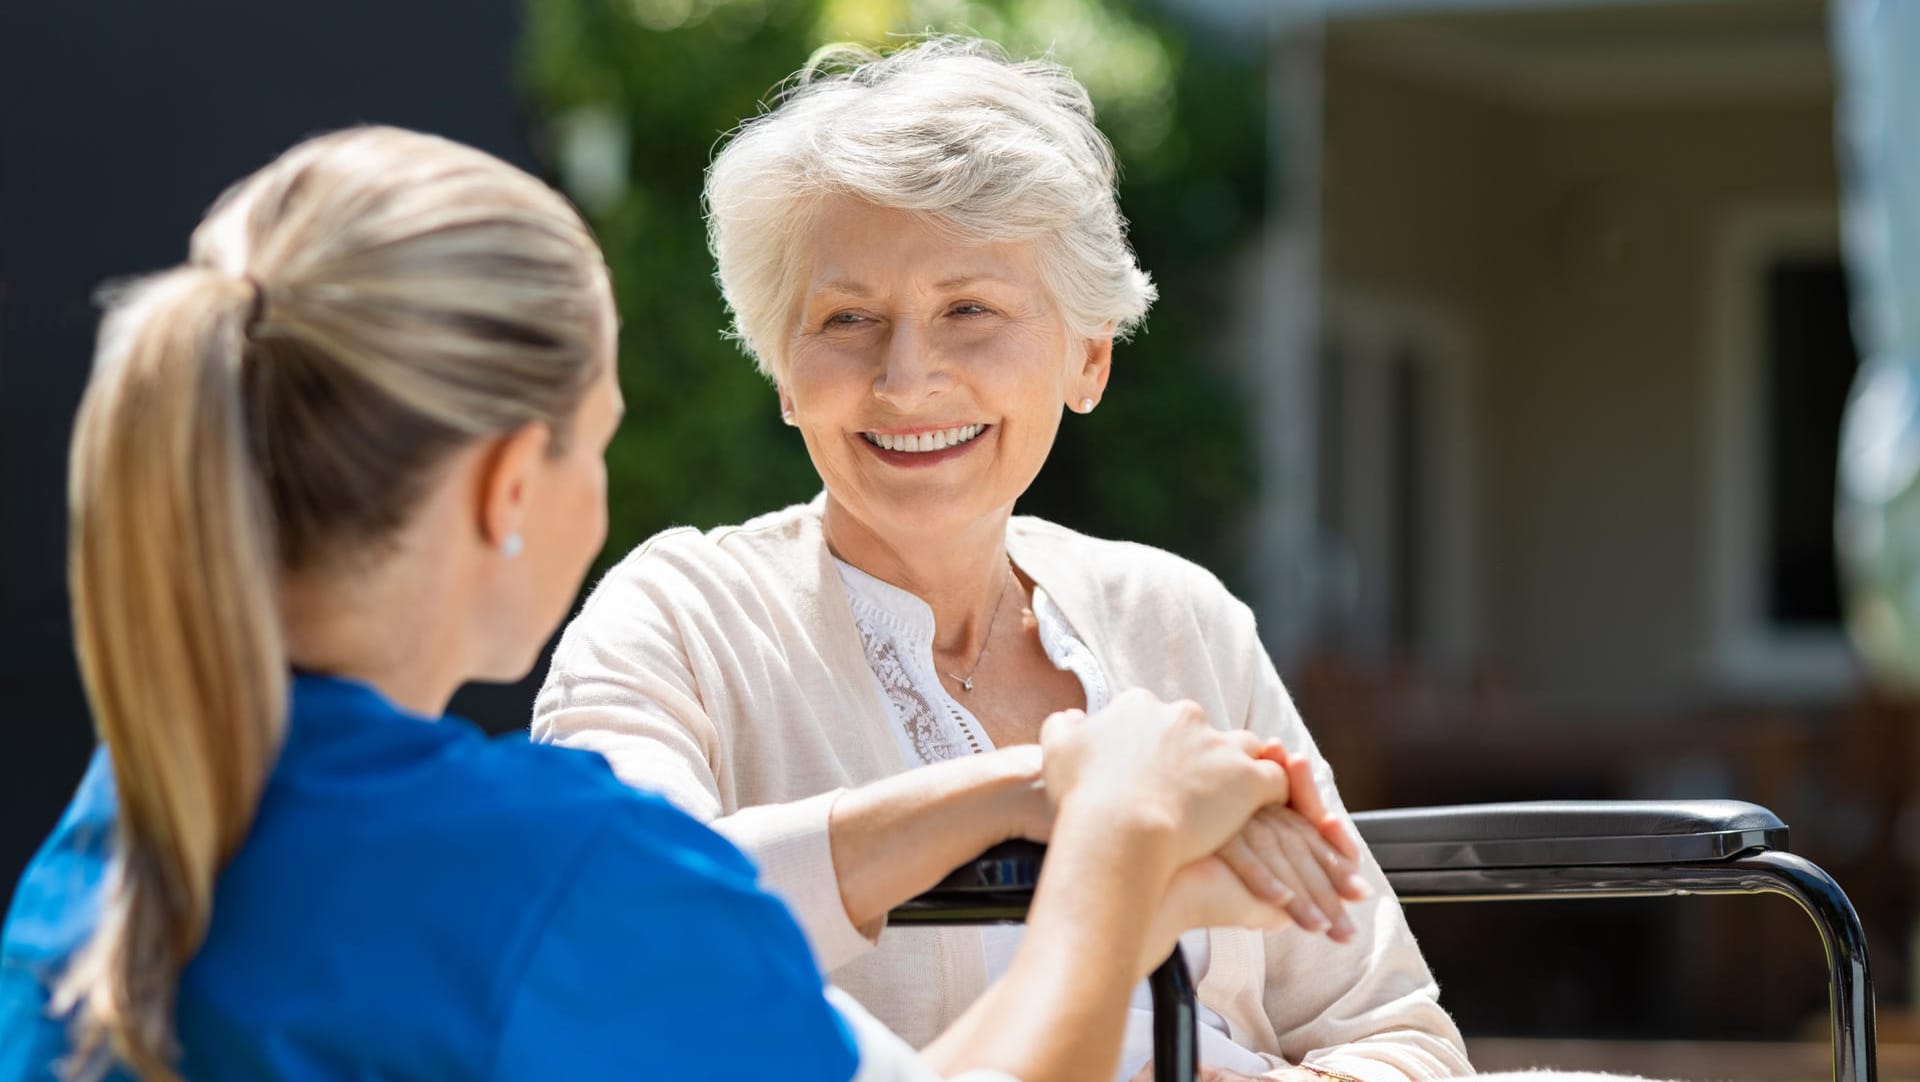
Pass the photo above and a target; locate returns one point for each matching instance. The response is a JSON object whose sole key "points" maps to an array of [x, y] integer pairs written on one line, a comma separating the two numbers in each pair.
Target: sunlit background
{"points": [[1500, 362]]}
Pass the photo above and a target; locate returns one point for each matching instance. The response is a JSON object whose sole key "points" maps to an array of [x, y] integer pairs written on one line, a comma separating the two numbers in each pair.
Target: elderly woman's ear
{"points": [[1088, 383]]}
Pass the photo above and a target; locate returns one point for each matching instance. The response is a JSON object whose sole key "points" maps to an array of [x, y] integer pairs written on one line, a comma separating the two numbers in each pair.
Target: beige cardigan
{"points": [[724, 670]]}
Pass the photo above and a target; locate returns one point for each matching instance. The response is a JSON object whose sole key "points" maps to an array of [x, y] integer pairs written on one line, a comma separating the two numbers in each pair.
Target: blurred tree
{"points": [[633, 96]]}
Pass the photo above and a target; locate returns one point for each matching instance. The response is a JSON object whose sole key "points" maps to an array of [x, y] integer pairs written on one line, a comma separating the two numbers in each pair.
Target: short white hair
{"points": [[988, 148]]}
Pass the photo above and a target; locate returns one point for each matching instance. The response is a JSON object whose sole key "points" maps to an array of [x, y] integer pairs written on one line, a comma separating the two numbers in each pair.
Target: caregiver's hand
{"points": [[1160, 767], [1300, 857], [1205, 894]]}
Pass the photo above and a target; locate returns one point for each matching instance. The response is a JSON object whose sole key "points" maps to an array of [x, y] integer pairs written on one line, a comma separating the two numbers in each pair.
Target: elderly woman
{"points": [[924, 254]]}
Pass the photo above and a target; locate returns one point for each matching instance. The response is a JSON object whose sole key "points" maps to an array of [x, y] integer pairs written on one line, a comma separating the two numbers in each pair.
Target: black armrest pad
{"points": [[1568, 833], [996, 885], [992, 888], [1008, 866]]}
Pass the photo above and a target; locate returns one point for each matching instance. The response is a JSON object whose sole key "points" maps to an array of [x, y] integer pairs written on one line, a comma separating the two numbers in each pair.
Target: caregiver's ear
{"points": [[508, 472]]}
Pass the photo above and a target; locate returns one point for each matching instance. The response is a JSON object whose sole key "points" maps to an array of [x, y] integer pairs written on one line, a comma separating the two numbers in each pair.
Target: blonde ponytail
{"points": [[173, 580], [349, 316]]}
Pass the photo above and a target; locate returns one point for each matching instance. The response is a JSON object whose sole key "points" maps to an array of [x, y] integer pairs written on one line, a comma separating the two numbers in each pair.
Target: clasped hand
{"points": [[1256, 843]]}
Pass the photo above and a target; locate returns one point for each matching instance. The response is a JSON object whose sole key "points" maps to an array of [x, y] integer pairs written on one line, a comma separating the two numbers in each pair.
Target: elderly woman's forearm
{"points": [[899, 836]]}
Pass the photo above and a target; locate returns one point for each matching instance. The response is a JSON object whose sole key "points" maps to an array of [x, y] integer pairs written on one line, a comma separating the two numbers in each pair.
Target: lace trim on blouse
{"points": [[896, 631]]}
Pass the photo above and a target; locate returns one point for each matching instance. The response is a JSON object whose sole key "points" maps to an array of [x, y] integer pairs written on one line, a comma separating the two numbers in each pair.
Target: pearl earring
{"points": [[511, 545], [786, 416], [1086, 405]]}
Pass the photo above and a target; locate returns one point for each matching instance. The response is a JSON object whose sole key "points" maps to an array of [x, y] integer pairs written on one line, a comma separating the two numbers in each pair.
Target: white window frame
{"points": [[1748, 654]]}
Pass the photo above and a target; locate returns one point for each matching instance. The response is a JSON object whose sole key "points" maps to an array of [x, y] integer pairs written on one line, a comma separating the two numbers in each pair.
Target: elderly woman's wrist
{"points": [[1025, 811]]}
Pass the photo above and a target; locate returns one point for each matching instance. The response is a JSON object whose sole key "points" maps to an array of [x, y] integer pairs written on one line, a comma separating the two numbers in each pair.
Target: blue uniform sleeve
{"points": [[663, 959], [52, 914]]}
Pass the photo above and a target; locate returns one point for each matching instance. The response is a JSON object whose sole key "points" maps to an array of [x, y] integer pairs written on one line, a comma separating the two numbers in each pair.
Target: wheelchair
{"points": [[1503, 852]]}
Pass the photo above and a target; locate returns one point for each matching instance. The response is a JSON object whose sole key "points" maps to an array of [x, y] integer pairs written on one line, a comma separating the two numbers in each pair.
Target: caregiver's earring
{"points": [[511, 545], [1086, 405]]}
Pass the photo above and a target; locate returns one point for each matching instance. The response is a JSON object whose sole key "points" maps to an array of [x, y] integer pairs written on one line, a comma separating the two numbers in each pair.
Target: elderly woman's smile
{"points": [[924, 445]]}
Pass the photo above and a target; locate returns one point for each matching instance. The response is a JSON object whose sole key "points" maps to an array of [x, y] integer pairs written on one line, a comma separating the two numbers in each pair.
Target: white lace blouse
{"points": [[896, 629]]}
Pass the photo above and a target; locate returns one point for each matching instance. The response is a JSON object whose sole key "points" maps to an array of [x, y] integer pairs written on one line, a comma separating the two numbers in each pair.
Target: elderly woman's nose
{"points": [[910, 370]]}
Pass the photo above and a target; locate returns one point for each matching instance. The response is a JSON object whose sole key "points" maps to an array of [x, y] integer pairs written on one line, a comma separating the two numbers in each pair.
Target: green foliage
{"points": [[634, 95]]}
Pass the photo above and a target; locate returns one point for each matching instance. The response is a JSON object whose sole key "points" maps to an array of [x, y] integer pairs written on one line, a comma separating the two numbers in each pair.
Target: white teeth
{"points": [[925, 441]]}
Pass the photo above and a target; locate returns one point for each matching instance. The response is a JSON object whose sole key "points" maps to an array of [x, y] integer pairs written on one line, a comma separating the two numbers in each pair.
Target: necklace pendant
{"points": [[967, 684]]}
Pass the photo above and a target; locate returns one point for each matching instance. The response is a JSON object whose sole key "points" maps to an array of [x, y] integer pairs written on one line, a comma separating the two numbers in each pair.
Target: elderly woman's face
{"points": [[927, 375]]}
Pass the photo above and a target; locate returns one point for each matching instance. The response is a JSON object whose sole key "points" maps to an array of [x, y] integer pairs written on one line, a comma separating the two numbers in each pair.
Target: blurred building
{"points": [[1555, 346]]}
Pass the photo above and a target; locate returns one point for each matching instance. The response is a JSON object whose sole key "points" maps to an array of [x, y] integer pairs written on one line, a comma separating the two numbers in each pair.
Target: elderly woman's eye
{"points": [[845, 319], [968, 308]]}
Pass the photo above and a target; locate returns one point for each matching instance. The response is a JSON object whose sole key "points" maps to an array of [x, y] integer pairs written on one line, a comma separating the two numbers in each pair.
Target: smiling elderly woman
{"points": [[924, 254]]}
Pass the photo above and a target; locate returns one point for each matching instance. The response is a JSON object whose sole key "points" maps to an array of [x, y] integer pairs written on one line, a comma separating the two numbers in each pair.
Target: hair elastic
{"points": [[257, 311]]}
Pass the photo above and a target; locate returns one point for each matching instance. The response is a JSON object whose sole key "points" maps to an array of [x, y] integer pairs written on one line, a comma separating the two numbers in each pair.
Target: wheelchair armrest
{"points": [[997, 885], [992, 888], [1568, 833]]}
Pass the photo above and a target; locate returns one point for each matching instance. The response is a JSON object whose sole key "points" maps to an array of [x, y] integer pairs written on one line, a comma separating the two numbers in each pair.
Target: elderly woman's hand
{"points": [[1301, 857], [1282, 858]]}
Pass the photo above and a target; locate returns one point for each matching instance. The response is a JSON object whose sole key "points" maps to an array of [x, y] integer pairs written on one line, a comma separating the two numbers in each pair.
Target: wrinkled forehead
{"points": [[857, 248]]}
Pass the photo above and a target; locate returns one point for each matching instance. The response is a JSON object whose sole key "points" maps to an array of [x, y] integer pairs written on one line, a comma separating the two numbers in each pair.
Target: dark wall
{"points": [[120, 121]]}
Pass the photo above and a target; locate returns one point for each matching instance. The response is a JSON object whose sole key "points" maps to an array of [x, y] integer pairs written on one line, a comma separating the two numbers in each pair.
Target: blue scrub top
{"points": [[418, 901]]}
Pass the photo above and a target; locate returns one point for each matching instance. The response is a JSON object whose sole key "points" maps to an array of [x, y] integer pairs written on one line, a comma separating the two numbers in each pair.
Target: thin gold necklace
{"points": [[966, 682]]}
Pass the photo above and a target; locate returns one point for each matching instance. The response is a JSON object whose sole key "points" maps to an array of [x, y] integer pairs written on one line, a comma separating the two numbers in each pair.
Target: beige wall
{"points": [[1575, 247]]}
